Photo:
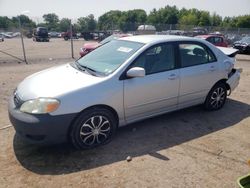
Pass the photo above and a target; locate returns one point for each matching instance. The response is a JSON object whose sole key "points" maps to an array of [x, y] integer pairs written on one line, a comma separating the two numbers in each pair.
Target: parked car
{"points": [[40, 34], [7, 35], [217, 40], [243, 45], [146, 29], [1, 38], [10, 35], [67, 35], [122, 81], [29, 33], [88, 47], [231, 38], [54, 34], [96, 35], [199, 31]]}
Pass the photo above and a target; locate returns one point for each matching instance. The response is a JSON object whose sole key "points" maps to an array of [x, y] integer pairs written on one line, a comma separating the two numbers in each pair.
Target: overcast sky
{"points": [[78, 8]]}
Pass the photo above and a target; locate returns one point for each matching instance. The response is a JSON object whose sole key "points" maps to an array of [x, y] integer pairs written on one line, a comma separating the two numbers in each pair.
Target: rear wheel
{"points": [[216, 97], [94, 127]]}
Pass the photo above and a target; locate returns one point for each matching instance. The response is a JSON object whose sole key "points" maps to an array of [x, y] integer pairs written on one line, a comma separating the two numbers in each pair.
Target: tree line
{"points": [[129, 20]]}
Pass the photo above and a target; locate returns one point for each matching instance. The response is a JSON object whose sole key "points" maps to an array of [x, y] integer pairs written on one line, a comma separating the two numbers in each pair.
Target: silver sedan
{"points": [[121, 82]]}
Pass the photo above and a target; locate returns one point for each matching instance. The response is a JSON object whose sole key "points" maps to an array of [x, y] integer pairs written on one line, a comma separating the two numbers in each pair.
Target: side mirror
{"points": [[136, 72]]}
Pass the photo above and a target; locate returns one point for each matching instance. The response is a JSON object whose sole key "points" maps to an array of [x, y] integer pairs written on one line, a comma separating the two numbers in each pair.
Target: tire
{"points": [[93, 128], [216, 97]]}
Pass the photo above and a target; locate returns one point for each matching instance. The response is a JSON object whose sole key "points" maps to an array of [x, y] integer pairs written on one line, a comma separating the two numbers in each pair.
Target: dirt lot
{"points": [[188, 148], [56, 49]]}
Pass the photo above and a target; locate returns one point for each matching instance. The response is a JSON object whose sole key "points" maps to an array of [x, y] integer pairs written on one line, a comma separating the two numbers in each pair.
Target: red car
{"points": [[217, 40], [67, 35], [88, 47]]}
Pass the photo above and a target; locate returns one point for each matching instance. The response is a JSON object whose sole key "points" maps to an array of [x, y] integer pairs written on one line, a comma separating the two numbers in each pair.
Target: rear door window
{"points": [[218, 40], [211, 40], [194, 54]]}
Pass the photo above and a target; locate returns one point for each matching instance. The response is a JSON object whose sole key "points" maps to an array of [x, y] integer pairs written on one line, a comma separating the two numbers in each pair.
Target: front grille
{"points": [[18, 102]]}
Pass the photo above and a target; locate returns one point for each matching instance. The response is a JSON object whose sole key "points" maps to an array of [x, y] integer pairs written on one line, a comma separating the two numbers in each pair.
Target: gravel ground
{"points": [[187, 148]]}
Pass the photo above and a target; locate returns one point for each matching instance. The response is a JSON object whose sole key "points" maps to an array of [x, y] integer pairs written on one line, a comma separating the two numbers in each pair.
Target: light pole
{"points": [[21, 33], [71, 40]]}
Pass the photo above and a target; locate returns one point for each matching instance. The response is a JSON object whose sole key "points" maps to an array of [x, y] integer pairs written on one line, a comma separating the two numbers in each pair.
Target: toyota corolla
{"points": [[123, 81]]}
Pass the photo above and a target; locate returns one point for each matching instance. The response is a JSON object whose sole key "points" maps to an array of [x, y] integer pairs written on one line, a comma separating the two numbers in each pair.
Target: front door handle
{"points": [[212, 68], [172, 77]]}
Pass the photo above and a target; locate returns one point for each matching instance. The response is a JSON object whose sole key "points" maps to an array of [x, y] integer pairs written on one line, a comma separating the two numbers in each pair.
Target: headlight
{"points": [[40, 106]]}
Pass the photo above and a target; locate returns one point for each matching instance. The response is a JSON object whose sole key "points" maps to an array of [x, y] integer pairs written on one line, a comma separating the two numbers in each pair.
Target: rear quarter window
{"points": [[192, 54]]}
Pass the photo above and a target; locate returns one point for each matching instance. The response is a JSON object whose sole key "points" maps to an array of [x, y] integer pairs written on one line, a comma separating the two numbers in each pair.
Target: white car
{"points": [[121, 82]]}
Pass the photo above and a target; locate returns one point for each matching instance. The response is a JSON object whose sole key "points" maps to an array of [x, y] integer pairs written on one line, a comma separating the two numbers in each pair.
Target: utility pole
{"points": [[21, 33], [71, 40]]}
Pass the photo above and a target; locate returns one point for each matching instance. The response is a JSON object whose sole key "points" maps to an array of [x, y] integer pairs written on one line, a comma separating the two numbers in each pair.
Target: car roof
{"points": [[158, 38], [206, 36]]}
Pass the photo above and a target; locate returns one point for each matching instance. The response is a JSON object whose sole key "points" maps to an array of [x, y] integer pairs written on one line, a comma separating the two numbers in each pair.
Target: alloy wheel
{"points": [[217, 98], [95, 130]]}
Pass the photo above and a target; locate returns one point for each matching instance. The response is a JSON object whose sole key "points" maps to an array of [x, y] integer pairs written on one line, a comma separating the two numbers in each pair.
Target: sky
{"points": [[74, 9]]}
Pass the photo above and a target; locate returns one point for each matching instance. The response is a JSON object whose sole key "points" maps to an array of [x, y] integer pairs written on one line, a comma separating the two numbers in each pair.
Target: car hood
{"points": [[55, 82], [93, 45]]}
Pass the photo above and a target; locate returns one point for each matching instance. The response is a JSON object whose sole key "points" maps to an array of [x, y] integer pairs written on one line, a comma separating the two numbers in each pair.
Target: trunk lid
{"points": [[230, 52]]}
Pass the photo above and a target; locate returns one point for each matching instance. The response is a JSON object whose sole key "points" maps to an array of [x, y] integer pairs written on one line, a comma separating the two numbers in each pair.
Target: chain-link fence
{"points": [[40, 45]]}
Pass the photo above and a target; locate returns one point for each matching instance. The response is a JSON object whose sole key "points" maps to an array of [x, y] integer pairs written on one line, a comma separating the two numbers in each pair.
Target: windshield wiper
{"points": [[85, 68]]}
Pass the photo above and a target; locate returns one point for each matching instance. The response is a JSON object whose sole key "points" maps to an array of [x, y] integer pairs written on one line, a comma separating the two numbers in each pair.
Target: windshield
{"points": [[107, 58], [246, 39]]}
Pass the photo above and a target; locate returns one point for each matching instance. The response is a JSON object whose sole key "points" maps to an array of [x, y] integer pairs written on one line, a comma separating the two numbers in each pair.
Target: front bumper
{"points": [[43, 129]]}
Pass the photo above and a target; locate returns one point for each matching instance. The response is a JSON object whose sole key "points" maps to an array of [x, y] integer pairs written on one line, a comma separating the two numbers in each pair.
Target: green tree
{"points": [[243, 21], [226, 22], [51, 21], [189, 19], [204, 18], [169, 15], [129, 20], [91, 22], [87, 23], [26, 22], [216, 20], [64, 24], [82, 22], [153, 17], [166, 15], [110, 20], [5, 22], [182, 12]]}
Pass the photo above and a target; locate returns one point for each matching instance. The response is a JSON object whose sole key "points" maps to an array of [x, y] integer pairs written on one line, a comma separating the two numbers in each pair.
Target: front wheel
{"points": [[94, 127], [216, 97]]}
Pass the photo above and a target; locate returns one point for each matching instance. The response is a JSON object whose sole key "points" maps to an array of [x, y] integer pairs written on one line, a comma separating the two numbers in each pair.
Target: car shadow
{"points": [[142, 138]]}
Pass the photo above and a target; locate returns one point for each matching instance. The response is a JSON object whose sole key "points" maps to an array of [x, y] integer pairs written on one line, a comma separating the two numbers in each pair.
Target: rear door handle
{"points": [[172, 77]]}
